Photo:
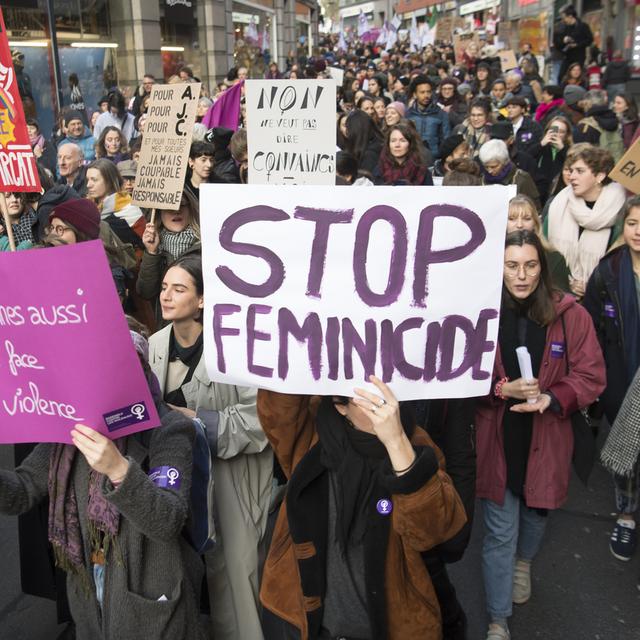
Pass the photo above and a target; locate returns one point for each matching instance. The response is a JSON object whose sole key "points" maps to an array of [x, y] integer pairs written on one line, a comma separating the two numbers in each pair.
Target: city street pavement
{"points": [[580, 591]]}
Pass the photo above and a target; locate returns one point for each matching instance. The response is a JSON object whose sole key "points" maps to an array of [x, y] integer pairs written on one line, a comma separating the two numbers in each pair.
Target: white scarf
{"points": [[568, 213]]}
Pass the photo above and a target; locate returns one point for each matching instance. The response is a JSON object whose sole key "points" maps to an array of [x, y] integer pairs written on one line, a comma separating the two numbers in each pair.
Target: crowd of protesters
{"points": [[304, 546]]}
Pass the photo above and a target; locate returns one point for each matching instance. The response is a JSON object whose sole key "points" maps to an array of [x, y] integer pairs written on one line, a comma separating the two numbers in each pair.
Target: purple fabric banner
{"points": [[66, 354], [225, 111]]}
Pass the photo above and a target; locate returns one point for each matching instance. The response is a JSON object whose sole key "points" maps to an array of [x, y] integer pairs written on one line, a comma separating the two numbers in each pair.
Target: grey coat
{"points": [[156, 559]]}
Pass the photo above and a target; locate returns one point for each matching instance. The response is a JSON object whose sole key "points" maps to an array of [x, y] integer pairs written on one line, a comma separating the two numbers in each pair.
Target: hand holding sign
{"points": [[100, 452]]}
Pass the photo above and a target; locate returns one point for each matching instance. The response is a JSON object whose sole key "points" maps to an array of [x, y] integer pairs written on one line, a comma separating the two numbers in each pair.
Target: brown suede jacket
{"points": [[426, 512]]}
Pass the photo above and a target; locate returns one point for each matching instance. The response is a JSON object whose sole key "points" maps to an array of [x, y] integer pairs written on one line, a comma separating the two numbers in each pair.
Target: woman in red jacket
{"points": [[524, 434]]}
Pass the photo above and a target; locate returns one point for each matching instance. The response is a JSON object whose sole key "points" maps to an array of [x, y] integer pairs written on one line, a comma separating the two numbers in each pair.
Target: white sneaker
{"points": [[521, 582], [498, 632]]}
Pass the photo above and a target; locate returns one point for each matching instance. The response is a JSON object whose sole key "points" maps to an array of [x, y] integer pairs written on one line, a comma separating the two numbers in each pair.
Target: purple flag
{"points": [[225, 111]]}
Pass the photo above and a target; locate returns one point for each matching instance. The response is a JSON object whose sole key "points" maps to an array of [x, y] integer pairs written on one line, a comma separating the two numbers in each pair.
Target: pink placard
{"points": [[66, 354]]}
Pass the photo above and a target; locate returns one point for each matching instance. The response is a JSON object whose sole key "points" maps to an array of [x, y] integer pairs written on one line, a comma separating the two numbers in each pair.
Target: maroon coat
{"points": [[549, 464]]}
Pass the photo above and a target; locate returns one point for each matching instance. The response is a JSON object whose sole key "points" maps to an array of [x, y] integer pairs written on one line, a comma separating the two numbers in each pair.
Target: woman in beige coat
{"points": [[242, 458]]}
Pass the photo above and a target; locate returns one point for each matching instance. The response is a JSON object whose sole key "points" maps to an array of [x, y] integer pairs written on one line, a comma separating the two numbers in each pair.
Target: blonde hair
{"points": [[522, 203]]}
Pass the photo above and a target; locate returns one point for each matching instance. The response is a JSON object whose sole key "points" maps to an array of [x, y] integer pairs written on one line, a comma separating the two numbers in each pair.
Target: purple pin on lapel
{"points": [[384, 507]]}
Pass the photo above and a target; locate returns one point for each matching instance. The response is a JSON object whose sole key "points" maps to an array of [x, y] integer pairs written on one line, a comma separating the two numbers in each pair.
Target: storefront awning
{"points": [[405, 6], [479, 5]]}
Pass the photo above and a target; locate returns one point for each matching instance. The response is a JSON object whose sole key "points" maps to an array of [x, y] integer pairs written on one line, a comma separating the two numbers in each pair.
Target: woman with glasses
{"points": [[524, 436], [476, 128]]}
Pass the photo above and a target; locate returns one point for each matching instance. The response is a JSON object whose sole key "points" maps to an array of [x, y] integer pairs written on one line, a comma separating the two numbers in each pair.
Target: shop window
{"points": [[254, 38]]}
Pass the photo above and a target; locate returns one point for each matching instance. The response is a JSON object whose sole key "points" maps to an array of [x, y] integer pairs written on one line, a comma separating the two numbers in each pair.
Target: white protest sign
{"points": [[165, 147], [337, 74], [291, 132], [312, 289]]}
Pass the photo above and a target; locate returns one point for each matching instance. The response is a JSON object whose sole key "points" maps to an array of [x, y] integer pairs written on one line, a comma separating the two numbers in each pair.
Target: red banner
{"points": [[17, 163]]}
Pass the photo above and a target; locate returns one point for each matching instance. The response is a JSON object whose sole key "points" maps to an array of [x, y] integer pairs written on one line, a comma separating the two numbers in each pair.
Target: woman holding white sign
{"points": [[243, 466], [339, 565], [525, 440], [173, 234]]}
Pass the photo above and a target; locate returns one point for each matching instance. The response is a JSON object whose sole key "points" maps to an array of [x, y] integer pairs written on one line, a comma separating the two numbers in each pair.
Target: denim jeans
{"points": [[508, 529], [98, 578]]}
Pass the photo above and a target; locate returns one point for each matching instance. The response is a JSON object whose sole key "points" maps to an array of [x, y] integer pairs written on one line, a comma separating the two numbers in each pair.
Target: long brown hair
{"points": [[540, 304], [411, 136]]}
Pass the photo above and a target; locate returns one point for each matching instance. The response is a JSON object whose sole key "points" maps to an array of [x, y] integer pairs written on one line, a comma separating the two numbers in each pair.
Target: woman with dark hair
{"points": [[626, 110], [524, 435], [115, 532], [105, 188], [365, 103], [116, 116], [348, 461], [112, 145], [341, 130], [363, 140], [575, 75], [612, 299], [173, 234], [243, 461], [402, 160], [481, 86], [450, 101], [550, 105], [551, 152], [376, 87], [582, 217], [379, 111]]}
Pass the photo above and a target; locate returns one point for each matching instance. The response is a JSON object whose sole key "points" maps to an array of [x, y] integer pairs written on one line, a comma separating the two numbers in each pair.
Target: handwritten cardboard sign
{"points": [[461, 43], [291, 135], [165, 146], [627, 171], [66, 355], [507, 60], [18, 170], [312, 289]]}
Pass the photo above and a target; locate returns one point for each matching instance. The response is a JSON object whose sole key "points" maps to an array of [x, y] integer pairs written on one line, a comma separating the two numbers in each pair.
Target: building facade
{"points": [[108, 43]]}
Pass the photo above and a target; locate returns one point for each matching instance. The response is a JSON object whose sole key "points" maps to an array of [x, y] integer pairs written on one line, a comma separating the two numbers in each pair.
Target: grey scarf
{"points": [[620, 452], [177, 243]]}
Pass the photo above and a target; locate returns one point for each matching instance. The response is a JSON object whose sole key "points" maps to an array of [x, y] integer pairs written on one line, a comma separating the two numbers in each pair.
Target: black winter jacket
{"points": [[616, 72], [604, 117], [602, 301]]}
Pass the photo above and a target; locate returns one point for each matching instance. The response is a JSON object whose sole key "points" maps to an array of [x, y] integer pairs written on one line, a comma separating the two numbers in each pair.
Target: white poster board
{"points": [[291, 131], [311, 289], [336, 74]]}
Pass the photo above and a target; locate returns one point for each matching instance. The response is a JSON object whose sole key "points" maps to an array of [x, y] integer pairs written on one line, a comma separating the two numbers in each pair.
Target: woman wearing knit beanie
{"points": [[74, 221]]}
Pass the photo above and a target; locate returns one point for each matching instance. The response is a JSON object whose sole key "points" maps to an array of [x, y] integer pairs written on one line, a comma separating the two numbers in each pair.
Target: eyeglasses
{"points": [[512, 269], [58, 229]]}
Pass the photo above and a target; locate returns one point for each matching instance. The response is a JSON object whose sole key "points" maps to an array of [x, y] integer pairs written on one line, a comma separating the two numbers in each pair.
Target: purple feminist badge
{"points": [[609, 310], [126, 416], [557, 349], [166, 477], [384, 507]]}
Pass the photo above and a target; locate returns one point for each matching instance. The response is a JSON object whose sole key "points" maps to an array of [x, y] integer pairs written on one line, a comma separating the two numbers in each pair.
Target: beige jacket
{"points": [[243, 472]]}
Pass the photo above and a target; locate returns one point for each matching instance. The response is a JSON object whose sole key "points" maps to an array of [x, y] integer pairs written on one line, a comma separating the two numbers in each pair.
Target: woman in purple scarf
{"points": [[117, 510]]}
